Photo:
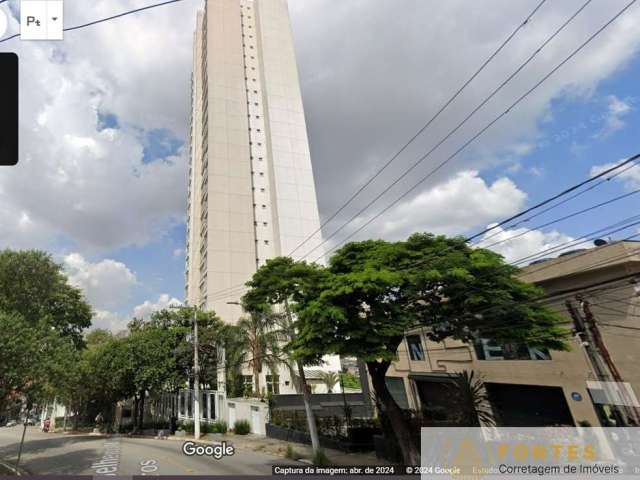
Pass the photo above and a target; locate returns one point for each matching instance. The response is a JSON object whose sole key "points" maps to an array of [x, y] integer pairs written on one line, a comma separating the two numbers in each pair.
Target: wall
{"points": [[254, 411]]}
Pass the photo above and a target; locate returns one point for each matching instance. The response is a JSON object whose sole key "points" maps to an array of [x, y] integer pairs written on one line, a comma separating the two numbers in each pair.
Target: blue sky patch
{"points": [[107, 120], [160, 143]]}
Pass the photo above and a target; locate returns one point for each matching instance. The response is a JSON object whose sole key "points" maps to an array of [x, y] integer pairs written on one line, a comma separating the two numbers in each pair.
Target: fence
{"points": [[210, 405], [327, 404]]}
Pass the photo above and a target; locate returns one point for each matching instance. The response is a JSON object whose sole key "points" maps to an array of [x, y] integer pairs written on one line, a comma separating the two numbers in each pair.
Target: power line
{"points": [[607, 230], [427, 125], [102, 20], [451, 133], [487, 127], [618, 326], [572, 197], [566, 217], [591, 38]]}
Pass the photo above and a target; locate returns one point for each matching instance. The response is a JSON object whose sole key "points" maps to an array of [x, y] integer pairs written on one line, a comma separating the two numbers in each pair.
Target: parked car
{"points": [[11, 423]]}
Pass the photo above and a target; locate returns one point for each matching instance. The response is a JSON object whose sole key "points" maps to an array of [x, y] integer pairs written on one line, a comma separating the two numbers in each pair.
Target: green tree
{"points": [[20, 352], [211, 338], [329, 379], [35, 287], [349, 380], [379, 290], [233, 339], [283, 283], [259, 341]]}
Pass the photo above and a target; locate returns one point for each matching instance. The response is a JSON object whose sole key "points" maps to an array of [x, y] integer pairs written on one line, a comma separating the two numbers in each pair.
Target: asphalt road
{"points": [[50, 453]]}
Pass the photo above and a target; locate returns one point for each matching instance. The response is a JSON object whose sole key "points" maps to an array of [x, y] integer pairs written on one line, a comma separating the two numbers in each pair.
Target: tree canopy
{"points": [[375, 291]]}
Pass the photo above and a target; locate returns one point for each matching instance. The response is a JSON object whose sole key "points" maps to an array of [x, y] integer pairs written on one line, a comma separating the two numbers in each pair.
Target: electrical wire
{"points": [[487, 127], [106, 19], [450, 134], [425, 127], [238, 289], [566, 217], [572, 197]]}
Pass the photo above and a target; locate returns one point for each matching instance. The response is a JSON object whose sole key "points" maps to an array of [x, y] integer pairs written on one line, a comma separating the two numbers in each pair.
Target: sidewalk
{"points": [[272, 446]]}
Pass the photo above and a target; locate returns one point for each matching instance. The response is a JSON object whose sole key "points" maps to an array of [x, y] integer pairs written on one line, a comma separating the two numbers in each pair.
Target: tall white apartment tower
{"points": [[251, 188]]}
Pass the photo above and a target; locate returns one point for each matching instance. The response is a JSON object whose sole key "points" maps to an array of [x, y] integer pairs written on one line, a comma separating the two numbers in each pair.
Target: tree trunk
{"points": [[76, 418], [399, 424], [141, 419], [136, 408], [306, 395], [256, 379], [66, 416], [311, 419]]}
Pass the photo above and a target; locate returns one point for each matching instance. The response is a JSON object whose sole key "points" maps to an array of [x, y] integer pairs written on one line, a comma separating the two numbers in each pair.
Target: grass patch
{"points": [[292, 453], [320, 458]]}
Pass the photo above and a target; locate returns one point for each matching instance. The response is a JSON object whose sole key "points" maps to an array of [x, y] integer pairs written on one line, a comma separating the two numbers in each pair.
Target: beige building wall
{"points": [[616, 307], [252, 195]]}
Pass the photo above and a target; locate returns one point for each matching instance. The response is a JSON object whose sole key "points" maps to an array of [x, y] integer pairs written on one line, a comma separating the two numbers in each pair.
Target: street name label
{"points": [[8, 109]]}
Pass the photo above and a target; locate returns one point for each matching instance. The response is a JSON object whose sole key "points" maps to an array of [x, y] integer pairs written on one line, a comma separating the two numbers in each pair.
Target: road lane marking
{"points": [[110, 462], [149, 467]]}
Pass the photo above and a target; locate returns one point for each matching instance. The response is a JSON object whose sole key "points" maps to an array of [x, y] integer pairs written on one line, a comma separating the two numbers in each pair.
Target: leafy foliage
{"points": [[41, 322], [375, 291], [349, 380], [242, 427], [33, 286], [329, 379]]}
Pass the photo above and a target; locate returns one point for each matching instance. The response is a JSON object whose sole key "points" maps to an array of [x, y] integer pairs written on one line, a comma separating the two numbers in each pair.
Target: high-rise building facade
{"points": [[251, 188]]}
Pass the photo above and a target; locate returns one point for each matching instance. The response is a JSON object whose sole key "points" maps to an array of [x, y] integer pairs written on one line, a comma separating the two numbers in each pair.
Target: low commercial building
{"points": [[592, 384]]}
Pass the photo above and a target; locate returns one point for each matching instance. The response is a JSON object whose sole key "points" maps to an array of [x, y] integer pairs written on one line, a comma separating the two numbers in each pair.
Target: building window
{"points": [[415, 347], [273, 384], [397, 391]]}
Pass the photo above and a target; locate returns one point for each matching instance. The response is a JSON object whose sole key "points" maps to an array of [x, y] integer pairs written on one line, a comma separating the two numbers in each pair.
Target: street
{"points": [[50, 453]]}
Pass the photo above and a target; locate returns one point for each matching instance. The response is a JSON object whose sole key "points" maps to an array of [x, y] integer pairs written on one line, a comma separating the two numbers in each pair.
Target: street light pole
{"points": [[196, 377], [196, 372]]}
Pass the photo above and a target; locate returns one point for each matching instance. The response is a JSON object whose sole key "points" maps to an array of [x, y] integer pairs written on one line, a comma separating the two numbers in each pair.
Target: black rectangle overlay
{"points": [[8, 108]]}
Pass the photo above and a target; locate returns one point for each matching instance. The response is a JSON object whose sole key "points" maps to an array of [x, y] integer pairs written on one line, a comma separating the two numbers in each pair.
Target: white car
{"points": [[11, 423]]}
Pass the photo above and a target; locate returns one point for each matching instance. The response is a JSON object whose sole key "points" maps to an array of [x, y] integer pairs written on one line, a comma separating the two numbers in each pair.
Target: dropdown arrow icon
{"points": [[54, 18]]}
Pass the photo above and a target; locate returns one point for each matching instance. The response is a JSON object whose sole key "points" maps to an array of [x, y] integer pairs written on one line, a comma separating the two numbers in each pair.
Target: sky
{"points": [[101, 182]]}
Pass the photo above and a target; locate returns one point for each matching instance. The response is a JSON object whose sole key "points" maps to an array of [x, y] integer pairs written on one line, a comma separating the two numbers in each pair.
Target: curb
{"points": [[15, 471]]}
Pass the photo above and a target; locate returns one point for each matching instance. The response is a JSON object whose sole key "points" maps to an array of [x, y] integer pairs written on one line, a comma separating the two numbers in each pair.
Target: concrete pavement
{"points": [[52, 453]]}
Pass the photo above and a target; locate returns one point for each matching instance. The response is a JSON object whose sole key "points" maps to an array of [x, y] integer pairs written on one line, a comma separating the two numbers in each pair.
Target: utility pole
{"points": [[630, 417], [585, 331]]}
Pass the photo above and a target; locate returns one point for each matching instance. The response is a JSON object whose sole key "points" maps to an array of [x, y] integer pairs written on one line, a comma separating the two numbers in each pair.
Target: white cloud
{"points": [[107, 284], [79, 183], [629, 175], [461, 203], [366, 122], [524, 242], [613, 121], [145, 309], [106, 320], [178, 252]]}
